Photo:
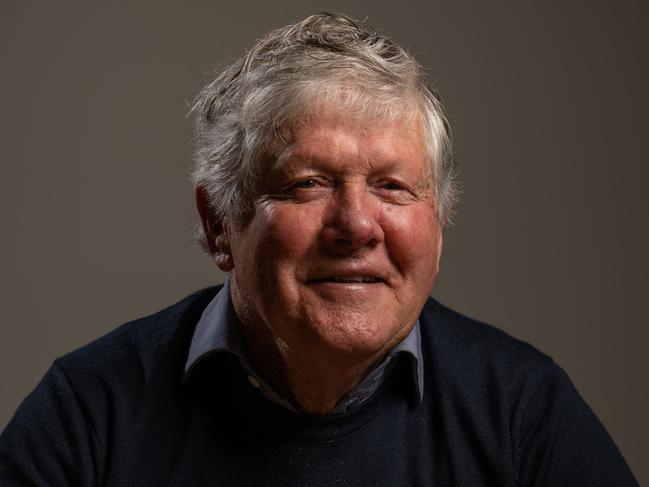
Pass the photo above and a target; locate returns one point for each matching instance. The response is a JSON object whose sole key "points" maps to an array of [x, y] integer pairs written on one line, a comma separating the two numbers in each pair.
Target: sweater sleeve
{"points": [[50, 441], [561, 441]]}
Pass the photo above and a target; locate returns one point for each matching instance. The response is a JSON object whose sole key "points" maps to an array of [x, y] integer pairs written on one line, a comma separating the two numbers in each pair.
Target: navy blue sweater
{"points": [[117, 412]]}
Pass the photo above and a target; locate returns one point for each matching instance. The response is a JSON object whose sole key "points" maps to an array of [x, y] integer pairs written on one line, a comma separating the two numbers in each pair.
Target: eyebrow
{"points": [[289, 162]]}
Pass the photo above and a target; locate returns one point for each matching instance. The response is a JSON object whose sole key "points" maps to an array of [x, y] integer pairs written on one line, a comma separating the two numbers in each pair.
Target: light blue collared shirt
{"points": [[218, 330]]}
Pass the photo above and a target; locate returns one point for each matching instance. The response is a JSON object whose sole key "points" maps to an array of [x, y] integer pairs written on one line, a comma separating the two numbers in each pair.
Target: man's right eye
{"points": [[306, 188]]}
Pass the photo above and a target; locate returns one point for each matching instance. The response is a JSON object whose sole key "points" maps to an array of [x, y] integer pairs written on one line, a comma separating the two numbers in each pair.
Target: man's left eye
{"points": [[306, 184], [392, 186]]}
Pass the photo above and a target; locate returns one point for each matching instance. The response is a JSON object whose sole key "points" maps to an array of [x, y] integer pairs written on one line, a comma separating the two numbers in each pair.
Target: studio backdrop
{"points": [[548, 103]]}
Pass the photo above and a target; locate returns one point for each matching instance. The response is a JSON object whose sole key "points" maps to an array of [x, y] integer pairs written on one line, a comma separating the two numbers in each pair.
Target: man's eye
{"points": [[391, 186], [306, 184], [305, 188]]}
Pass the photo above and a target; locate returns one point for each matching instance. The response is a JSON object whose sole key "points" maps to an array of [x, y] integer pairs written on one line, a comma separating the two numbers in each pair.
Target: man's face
{"points": [[344, 244]]}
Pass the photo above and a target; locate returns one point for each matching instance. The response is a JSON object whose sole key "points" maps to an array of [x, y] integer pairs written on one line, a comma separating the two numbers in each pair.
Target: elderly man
{"points": [[324, 178]]}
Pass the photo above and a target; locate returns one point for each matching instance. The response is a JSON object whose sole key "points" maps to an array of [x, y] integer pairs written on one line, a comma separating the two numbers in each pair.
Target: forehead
{"points": [[342, 138]]}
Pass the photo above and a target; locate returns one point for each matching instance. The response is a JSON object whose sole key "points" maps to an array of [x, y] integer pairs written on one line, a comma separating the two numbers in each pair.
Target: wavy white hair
{"points": [[326, 60]]}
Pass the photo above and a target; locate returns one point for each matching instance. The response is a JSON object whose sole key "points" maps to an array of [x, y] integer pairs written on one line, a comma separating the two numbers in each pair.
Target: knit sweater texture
{"points": [[118, 412]]}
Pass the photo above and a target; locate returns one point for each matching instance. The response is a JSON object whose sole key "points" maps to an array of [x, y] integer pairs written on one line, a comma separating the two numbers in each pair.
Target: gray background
{"points": [[549, 105]]}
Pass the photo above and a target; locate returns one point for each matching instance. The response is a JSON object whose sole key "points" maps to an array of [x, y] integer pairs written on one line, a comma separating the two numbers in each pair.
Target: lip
{"points": [[347, 279], [348, 293], [348, 276], [348, 285]]}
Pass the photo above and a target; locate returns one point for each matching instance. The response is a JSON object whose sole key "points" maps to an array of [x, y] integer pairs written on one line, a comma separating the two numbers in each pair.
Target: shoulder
{"points": [[494, 393], [140, 348], [479, 362], [88, 402], [459, 337]]}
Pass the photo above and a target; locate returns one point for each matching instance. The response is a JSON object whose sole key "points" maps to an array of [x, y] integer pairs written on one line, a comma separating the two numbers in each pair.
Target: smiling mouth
{"points": [[348, 280]]}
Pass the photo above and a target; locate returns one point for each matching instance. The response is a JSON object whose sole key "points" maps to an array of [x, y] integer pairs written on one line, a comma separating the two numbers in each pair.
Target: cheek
{"points": [[280, 235], [412, 237]]}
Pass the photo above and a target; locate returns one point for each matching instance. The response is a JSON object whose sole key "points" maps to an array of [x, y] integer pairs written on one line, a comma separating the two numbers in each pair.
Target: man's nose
{"points": [[352, 221]]}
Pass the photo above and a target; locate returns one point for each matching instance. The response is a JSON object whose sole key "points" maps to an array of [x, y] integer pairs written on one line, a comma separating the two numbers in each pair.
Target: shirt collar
{"points": [[218, 330]]}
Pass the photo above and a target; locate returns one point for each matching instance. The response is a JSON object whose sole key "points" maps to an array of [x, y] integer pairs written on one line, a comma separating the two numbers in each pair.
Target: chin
{"points": [[357, 334]]}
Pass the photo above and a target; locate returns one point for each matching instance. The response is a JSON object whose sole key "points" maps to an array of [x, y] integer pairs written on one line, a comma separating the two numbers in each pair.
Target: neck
{"points": [[318, 389], [314, 382]]}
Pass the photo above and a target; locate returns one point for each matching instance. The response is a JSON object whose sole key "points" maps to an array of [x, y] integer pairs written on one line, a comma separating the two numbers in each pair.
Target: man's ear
{"points": [[440, 245], [216, 232]]}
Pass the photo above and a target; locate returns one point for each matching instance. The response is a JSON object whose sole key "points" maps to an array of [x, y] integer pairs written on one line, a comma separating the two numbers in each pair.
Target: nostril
{"points": [[350, 231], [351, 220], [353, 244]]}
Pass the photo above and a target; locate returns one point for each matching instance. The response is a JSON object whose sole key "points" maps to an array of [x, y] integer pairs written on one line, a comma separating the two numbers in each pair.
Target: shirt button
{"points": [[253, 381]]}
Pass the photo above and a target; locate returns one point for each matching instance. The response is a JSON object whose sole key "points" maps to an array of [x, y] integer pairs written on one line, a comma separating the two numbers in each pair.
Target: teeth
{"points": [[354, 279]]}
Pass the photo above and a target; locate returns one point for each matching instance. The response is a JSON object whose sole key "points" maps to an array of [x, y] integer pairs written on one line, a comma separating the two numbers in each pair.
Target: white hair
{"points": [[325, 60]]}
